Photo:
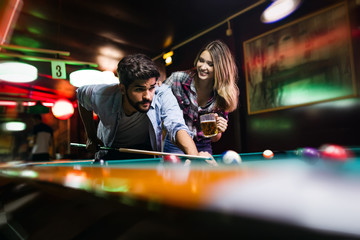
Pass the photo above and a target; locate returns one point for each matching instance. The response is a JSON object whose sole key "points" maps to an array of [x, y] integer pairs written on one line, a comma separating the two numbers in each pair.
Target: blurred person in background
{"points": [[42, 140]]}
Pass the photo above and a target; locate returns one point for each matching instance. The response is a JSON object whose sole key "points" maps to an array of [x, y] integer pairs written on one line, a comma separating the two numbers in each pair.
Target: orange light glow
{"points": [[63, 109]]}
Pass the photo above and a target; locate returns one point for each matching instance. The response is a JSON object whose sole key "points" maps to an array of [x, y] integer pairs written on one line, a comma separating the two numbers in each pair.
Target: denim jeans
{"points": [[204, 145]]}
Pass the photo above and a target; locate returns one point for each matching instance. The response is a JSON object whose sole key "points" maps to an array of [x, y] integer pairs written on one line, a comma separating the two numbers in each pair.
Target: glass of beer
{"points": [[208, 125]]}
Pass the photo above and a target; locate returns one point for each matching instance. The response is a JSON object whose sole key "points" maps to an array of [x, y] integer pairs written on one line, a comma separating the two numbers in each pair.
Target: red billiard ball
{"points": [[334, 152], [171, 159]]}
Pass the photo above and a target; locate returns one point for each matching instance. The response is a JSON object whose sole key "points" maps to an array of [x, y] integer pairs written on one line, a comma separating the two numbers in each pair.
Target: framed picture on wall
{"points": [[304, 62]]}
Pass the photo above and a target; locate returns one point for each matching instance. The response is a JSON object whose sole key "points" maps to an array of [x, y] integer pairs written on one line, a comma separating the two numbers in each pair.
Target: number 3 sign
{"points": [[58, 70]]}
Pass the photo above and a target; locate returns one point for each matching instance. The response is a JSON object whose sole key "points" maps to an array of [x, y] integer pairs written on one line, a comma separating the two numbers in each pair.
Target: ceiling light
{"points": [[228, 30], [14, 126], [17, 72], [108, 77], [84, 77], [91, 76], [168, 57], [279, 9]]}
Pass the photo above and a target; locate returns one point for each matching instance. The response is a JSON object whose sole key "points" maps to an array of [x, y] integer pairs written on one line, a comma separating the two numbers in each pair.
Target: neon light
{"points": [[48, 104], [8, 103], [28, 104]]}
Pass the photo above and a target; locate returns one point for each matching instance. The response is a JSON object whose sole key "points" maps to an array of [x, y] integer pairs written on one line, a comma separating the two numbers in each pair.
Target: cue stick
{"points": [[129, 150]]}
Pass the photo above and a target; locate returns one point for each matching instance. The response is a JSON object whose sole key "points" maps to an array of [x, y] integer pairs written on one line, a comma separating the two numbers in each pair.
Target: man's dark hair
{"points": [[134, 67]]}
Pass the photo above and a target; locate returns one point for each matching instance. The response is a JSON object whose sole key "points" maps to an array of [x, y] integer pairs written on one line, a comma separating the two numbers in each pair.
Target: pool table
{"points": [[287, 196]]}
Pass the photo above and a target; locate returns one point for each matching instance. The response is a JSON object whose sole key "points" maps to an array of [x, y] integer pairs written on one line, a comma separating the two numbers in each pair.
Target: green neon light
{"points": [[25, 41], [34, 30]]}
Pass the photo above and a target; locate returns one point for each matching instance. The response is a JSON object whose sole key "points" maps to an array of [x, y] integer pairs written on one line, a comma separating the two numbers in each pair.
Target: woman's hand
{"points": [[221, 123]]}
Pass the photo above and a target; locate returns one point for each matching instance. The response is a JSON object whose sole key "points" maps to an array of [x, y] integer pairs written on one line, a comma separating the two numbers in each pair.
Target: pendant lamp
{"points": [[84, 77], [14, 126], [17, 72], [279, 9]]}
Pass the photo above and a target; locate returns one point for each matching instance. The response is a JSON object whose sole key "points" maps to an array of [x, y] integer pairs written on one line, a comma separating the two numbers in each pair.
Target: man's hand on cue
{"points": [[93, 145]]}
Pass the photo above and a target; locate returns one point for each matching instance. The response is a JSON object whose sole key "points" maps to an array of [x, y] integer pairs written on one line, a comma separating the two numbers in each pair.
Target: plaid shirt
{"points": [[183, 86]]}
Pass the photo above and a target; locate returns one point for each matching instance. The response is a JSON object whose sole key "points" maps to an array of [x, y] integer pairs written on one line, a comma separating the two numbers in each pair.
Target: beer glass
{"points": [[208, 124]]}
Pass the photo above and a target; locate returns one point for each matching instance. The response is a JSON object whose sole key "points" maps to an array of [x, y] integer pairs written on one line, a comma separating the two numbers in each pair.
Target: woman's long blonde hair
{"points": [[225, 75]]}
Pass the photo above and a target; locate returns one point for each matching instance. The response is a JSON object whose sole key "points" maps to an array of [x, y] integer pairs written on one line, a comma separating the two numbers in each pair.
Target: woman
{"points": [[211, 87]]}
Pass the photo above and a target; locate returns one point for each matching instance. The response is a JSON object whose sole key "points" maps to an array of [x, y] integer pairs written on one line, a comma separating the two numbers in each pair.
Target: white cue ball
{"points": [[231, 157]]}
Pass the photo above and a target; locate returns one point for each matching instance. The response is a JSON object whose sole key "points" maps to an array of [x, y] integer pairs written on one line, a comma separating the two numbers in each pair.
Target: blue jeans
{"points": [[203, 145]]}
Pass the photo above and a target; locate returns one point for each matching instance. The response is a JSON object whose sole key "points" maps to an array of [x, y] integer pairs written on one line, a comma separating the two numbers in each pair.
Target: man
{"points": [[43, 140], [131, 113]]}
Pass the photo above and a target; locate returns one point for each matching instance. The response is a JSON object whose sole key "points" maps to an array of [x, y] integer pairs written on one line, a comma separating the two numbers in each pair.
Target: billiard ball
{"points": [[268, 154], [333, 152], [171, 159], [308, 152], [231, 157], [100, 162]]}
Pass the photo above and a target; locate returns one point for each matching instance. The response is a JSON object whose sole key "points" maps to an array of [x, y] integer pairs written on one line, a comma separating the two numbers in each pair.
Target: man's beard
{"points": [[136, 105]]}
